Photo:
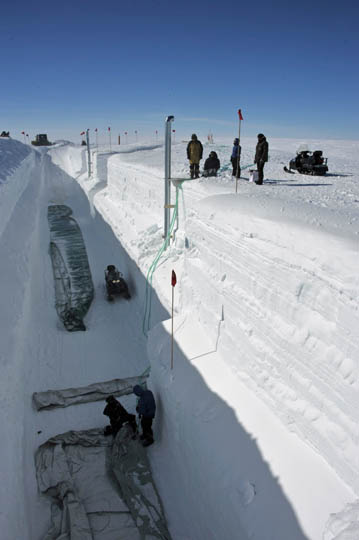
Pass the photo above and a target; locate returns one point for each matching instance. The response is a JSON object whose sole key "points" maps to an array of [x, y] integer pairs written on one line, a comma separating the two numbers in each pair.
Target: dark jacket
{"points": [[261, 150], [212, 162], [194, 151], [117, 415], [146, 405], [235, 150]]}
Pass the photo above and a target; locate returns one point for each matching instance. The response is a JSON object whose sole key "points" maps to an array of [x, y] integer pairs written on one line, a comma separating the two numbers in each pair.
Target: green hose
{"points": [[148, 293], [152, 268]]}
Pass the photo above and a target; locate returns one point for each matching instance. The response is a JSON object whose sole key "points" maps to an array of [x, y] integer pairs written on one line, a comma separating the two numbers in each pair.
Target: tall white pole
{"points": [[167, 213]]}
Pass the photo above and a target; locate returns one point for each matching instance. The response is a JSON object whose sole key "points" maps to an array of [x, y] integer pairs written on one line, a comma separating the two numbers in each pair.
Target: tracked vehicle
{"points": [[307, 162], [41, 140]]}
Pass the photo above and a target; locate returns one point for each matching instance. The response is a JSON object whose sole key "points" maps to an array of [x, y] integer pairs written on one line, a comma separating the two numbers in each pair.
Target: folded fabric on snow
{"points": [[79, 469], [51, 399]]}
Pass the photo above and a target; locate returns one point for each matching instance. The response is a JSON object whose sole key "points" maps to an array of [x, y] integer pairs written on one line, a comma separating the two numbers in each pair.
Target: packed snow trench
{"points": [[256, 431]]}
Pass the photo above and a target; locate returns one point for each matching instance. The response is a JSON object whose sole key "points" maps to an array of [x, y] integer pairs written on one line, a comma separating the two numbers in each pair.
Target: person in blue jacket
{"points": [[146, 409], [236, 158]]}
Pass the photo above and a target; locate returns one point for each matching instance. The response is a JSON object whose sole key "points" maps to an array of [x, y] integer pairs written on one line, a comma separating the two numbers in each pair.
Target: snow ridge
{"points": [[278, 298]]}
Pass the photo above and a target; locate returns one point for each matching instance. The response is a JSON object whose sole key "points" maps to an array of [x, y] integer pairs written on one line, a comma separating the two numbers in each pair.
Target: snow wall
{"points": [[21, 194], [276, 307]]}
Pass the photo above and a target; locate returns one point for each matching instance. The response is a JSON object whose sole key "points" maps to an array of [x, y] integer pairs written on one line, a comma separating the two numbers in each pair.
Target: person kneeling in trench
{"points": [[118, 416], [146, 409]]}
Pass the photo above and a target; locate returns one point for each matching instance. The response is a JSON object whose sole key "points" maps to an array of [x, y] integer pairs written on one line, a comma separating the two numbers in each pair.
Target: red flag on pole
{"points": [[240, 114], [173, 278], [82, 133], [109, 129], [23, 133]]}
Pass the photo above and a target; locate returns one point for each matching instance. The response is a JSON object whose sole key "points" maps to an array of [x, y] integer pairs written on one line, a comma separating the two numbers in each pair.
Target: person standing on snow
{"points": [[146, 409], [194, 154], [261, 156], [236, 158]]}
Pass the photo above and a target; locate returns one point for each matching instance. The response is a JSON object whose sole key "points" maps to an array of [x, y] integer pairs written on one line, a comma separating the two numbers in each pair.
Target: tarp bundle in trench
{"points": [[65, 397], [74, 288], [101, 489]]}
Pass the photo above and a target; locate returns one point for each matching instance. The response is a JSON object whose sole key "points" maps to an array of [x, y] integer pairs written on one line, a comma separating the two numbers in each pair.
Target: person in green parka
{"points": [[194, 154]]}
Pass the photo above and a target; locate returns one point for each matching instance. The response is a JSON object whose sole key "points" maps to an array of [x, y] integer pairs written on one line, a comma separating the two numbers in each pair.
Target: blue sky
{"points": [[291, 67]]}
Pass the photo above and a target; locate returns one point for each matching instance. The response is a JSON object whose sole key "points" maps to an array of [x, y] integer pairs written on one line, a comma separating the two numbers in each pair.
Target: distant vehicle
{"points": [[41, 140], [5, 134], [308, 163]]}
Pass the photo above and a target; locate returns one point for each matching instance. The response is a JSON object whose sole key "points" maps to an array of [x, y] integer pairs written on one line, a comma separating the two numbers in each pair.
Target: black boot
{"points": [[147, 442]]}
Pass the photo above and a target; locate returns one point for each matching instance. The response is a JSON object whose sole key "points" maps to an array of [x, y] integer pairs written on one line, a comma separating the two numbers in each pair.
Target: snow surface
{"points": [[257, 424]]}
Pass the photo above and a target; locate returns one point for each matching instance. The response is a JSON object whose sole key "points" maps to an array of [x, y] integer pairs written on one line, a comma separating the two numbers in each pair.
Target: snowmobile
{"points": [[308, 163], [115, 283]]}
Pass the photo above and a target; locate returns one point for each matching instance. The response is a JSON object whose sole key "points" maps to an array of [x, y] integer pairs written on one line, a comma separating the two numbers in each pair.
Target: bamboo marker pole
{"points": [[240, 118]]}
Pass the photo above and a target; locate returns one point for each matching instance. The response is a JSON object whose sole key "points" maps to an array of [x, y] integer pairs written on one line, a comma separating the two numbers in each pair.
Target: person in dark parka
{"points": [[261, 156], [146, 409], [194, 154], [211, 165], [236, 158], [118, 416]]}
